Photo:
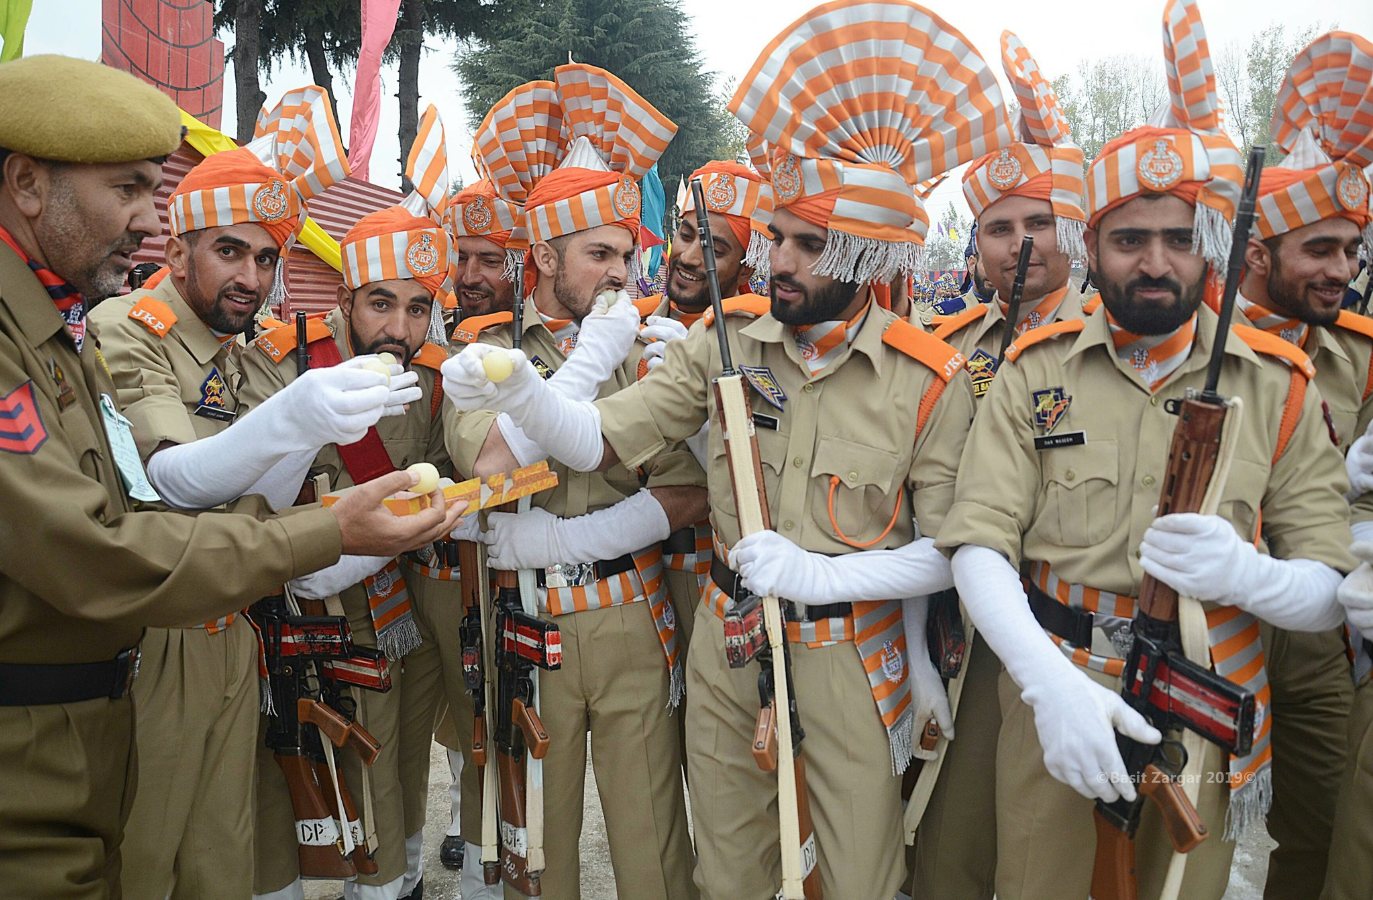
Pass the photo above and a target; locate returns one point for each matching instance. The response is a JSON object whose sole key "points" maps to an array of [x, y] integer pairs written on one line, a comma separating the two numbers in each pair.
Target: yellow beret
{"points": [[72, 110]]}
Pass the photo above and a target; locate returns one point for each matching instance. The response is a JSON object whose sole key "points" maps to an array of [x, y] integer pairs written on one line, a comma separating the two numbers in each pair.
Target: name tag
{"points": [[771, 423], [214, 412], [1066, 439], [125, 452]]}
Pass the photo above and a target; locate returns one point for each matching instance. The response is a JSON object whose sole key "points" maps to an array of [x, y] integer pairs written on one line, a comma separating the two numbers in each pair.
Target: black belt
{"points": [[602, 568], [24, 684], [727, 580], [681, 541], [1073, 625]]}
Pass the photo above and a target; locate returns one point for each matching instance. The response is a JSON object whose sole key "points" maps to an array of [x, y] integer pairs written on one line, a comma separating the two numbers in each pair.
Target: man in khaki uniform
{"points": [[394, 269], [173, 352], [595, 540], [857, 413], [1077, 430], [76, 200], [1033, 187]]}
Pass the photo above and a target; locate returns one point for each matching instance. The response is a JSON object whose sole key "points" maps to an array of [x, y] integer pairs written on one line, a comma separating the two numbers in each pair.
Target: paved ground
{"points": [[1246, 878]]}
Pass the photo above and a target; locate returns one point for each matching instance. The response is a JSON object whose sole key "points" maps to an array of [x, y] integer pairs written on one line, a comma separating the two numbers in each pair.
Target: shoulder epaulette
{"points": [[268, 323], [1271, 344], [1091, 305], [647, 306], [280, 341], [1356, 323], [920, 345], [1043, 333], [467, 330], [944, 326], [431, 356], [743, 305], [153, 314]]}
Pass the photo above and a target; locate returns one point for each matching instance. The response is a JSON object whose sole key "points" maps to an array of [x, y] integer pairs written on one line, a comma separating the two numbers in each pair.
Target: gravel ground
{"points": [[598, 882]]}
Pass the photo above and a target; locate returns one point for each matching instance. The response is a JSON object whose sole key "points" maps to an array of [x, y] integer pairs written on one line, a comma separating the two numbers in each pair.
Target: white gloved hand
{"points": [[604, 340], [469, 528], [657, 331], [1356, 591], [1202, 557], [772, 566], [404, 389], [567, 430], [929, 699], [1358, 464], [699, 445], [345, 573], [537, 538], [1076, 718]]}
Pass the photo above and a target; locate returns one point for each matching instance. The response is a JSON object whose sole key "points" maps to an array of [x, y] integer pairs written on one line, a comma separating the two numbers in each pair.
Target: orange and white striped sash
{"points": [[644, 582], [697, 561], [564, 332], [1291, 330], [389, 601], [1236, 655], [219, 624], [1154, 356], [824, 342]]}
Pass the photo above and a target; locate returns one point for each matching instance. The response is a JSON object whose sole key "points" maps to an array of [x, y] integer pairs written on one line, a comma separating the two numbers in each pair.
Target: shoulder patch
{"points": [[1272, 345], [743, 305], [154, 315], [468, 330], [1043, 333], [944, 326], [923, 347], [431, 356], [280, 341], [647, 306]]}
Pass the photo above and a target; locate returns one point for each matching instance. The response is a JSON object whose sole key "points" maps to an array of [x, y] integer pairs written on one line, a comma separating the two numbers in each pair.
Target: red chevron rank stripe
{"points": [[21, 426]]}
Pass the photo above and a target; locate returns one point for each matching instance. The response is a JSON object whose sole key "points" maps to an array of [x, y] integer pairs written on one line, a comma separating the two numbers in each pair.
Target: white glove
{"points": [[404, 389], [323, 406], [469, 528], [345, 573], [1075, 717], [604, 340], [772, 566], [567, 430], [537, 538], [1358, 464], [657, 331], [929, 700], [699, 445], [1202, 557], [280, 485], [1356, 591]]}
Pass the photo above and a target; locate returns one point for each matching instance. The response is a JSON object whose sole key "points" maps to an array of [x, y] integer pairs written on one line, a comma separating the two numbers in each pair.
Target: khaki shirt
{"points": [[1343, 358], [81, 575], [1083, 509], [855, 421], [577, 493], [176, 382]]}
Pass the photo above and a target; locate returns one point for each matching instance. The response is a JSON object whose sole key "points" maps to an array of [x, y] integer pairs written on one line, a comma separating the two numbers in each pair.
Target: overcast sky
{"points": [[730, 35]]}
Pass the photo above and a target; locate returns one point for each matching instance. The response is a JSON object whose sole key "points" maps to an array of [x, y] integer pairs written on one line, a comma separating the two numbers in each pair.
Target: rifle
{"points": [[1022, 265], [777, 739], [308, 658], [477, 662], [1159, 681], [302, 349]]}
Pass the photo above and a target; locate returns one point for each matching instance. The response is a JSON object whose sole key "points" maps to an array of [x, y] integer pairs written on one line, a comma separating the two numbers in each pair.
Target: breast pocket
{"points": [[1243, 496], [853, 498], [1080, 493], [772, 451]]}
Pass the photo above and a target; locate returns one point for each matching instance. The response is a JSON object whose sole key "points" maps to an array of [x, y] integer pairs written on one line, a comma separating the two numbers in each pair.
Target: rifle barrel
{"points": [[698, 196], [1244, 220], [517, 309], [1022, 266], [302, 353]]}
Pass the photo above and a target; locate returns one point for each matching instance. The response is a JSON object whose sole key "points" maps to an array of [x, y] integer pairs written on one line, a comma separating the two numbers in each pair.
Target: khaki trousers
{"points": [[614, 684], [70, 774], [1046, 839], [954, 855], [1350, 876], [190, 834], [1312, 692], [855, 799]]}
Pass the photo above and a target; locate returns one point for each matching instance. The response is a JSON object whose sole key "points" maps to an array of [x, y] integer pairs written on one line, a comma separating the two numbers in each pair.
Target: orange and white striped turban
{"points": [[736, 192], [610, 138], [296, 155], [1044, 164], [1184, 150], [863, 100], [478, 211], [1323, 119], [408, 241]]}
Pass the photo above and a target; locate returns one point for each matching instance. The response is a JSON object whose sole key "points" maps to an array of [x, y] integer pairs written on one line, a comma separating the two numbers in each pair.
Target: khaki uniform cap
{"points": [[71, 110]]}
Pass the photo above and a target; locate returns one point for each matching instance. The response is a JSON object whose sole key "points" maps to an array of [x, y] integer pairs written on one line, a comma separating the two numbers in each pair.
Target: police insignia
{"points": [[1351, 187], [981, 368], [271, 202], [1049, 405], [21, 424], [544, 370], [1160, 167], [765, 384], [213, 391], [892, 664]]}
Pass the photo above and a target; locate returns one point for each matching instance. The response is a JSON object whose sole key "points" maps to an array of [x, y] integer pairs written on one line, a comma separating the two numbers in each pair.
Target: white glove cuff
{"points": [[345, 573], [1296, 594], [628, 526], [1363, 531], [525, 451]]}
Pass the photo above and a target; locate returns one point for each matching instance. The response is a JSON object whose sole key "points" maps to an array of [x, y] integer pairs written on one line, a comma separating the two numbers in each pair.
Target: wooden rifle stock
{"points": [[339, 730], [319, 845], [347, 818], [510, 761]]}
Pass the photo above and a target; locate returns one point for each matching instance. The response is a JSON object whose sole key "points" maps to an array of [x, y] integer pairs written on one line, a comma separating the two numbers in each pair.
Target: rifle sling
{"points": [[602, 568]]}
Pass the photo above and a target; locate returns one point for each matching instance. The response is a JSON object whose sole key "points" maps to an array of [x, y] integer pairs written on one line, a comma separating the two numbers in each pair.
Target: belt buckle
{"points": [[126, 670], [565, 575]]}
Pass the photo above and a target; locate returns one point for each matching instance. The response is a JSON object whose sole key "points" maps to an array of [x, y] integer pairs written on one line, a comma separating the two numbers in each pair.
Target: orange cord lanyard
{"points": [[834, 485]]}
